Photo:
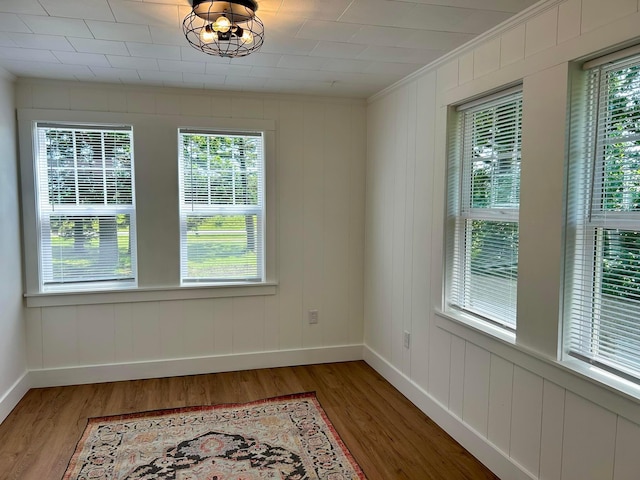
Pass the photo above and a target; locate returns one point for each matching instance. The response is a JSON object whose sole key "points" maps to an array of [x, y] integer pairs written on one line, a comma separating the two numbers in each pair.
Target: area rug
{"points": [[282, 438]]}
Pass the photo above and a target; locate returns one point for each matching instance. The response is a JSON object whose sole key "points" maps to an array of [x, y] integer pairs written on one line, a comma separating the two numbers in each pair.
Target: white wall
{"points": [[320, 159], [13, 362], [512, 405]]}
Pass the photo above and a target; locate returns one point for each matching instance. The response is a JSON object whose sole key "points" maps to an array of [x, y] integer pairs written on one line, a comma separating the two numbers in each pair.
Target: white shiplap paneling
{"points": [[477, 372], [589, 440], [552, 431], [526, 419], [500, 395]]}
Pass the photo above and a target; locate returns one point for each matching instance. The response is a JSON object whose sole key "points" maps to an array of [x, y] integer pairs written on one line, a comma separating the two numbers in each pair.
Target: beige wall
{"points": [[319, 200], [512, 404], [13, 363]]}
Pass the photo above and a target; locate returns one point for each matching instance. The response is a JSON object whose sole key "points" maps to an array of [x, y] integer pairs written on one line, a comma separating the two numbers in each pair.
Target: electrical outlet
{"points": [[407, 339], [313, 316]]}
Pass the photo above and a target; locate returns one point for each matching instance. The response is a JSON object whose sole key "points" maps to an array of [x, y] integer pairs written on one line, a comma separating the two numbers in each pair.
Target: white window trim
{"points": [[170, 289], [454, 233], [600, 369], [45, 211], [213, 209]]}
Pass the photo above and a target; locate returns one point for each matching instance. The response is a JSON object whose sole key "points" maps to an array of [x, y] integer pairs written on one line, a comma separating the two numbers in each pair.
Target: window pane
{"points": [[221, 170], [90, 248], [221, 206], [495, 156], [484, 199], [86, 204], [603, 313], [222, 247], [491, 281]]}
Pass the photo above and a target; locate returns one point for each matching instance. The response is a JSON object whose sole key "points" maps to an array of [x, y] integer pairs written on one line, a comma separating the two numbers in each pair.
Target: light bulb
{"points": [[207, 35], [222, 24], [247, 37]]}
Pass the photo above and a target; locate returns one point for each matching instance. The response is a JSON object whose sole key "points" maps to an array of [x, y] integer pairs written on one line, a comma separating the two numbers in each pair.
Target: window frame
{"points": [[587, 219], [45, 210], [213, 209], [460, 212], [157, 281]]}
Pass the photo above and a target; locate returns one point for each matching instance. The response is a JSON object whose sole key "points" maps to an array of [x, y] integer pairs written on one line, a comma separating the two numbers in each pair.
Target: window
{"points": [[85, 207], [603, 241], [221, 206], [484, 197]]}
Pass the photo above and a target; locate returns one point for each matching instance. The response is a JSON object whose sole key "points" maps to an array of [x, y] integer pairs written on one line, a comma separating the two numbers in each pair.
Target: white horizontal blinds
{"points": [[486, 254], [604, 321], [221, 206], [86, 204]]}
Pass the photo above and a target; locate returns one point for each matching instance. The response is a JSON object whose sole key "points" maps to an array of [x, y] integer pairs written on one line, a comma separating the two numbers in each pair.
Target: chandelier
{"points": [[224, 29]]}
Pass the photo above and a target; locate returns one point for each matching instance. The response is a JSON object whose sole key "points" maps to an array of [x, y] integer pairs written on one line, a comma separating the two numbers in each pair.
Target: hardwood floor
{"points": [[388, 436]]}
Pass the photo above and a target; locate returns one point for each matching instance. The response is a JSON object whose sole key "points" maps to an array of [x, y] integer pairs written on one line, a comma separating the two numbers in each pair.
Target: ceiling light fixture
{"points": [[224, 29]]}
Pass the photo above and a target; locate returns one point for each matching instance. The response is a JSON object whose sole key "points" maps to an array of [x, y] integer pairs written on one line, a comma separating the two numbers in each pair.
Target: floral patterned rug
{"points": [[282, 438]]}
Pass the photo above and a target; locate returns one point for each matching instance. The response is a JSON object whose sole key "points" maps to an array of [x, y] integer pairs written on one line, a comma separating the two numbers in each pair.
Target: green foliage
{"points": [[221, 170], [495, 157], [621, 183], [494, 248], [88, 167]]}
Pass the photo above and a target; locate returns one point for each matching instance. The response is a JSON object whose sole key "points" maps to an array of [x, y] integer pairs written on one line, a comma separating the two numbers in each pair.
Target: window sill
{"points": [[152, 294], [478, 325]]}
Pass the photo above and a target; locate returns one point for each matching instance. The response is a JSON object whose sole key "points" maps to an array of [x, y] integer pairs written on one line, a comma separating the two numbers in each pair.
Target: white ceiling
{"points": [[328, 47]]}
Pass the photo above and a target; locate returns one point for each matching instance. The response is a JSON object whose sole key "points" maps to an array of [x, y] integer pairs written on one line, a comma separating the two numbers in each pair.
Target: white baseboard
{"points": [[10, 399], [54, 377], [496, 460]]}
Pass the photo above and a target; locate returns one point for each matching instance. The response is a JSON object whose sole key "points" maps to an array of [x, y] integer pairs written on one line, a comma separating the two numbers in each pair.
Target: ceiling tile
{"points": [[216, 69], [268, 6], [208, 79], [329, 31], [5, 40], [84, 9], [302, 61], [330, 47], [259, 58], [399, 55], [45, 69], [116, 73], [45, 42], [106, 47], [337, 50], [145, 13], [72, 27], [433, 40], [76, 58], [421, 16], [190, 54], [345, 65], [292, 46], [148, 50], [167, 35], [160, 76], [28, 55], [402, 69], [316, 9], [180, 66], [133, 62], [511, 6], [12, 23], [123, 32], [245, 82], [410, 38], [30, 7]]}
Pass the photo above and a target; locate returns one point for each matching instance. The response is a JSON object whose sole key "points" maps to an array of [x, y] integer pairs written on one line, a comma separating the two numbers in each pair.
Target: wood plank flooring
{"points": [[388, 436]]}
